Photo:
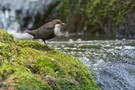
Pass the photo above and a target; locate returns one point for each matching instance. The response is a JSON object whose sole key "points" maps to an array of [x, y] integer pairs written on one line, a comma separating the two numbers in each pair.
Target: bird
{"points": [[47, 31]]}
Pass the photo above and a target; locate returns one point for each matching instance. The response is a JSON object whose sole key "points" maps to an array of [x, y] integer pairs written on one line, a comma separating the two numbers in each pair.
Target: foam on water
{"points": [[19, 35], [112, 61]]}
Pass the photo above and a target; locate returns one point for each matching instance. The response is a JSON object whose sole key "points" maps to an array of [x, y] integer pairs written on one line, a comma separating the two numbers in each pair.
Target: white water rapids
{"points": [[111, 61]]}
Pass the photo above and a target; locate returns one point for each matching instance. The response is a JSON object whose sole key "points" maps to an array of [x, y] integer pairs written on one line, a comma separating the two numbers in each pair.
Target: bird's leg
{"points": [[46, 45], [44, 42]]}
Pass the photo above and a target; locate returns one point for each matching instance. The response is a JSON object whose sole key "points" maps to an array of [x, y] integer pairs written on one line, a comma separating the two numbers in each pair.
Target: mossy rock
{"points": [[5, 37], [30, 65]]}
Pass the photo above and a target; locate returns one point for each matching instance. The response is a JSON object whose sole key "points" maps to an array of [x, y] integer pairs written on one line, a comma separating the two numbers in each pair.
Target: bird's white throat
{"points": [[57, 31]]}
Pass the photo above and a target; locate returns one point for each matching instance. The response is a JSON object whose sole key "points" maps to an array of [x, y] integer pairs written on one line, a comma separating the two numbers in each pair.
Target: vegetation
{"points": [[94, 15], [30, 65]]}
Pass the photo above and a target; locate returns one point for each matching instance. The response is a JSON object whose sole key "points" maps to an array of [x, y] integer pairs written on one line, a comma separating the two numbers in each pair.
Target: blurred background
{"points": [[95, 18], [99, 32]]}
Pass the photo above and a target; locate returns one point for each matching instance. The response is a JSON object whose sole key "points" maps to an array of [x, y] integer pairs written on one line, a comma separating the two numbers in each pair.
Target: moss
{"points": [[30, 65], [102, 16], [5, 37]]}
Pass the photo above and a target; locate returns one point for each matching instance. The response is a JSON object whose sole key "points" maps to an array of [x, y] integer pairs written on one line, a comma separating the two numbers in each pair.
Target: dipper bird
{"points": [[48, 30]]}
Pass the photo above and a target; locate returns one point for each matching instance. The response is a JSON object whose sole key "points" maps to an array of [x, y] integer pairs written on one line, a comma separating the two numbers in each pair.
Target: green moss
{"points": [[30, 65], [5, 37], [94, 15]]}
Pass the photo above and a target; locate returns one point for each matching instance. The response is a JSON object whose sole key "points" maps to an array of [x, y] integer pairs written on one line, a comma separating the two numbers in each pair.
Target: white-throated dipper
{"points": [[48, 30]]}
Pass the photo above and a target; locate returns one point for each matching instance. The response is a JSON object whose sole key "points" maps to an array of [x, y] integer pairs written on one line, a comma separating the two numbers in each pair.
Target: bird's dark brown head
{"points": [[57, 21]]}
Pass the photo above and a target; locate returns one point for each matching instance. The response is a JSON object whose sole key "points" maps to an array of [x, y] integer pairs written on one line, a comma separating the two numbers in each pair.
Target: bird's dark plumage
{"points": [[46, 31]]}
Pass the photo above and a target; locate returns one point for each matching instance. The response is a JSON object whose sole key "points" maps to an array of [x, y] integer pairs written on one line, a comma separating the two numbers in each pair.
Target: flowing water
{"points": [[111, 61], [14, 13]]}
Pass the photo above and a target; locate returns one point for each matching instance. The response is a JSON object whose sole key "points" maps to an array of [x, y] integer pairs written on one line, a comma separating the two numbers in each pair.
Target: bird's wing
{"points": [[47, 26], [44, 33]]}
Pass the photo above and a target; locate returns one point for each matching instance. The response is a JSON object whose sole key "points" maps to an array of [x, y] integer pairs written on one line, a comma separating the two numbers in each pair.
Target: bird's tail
{"points": [[30, 32]]}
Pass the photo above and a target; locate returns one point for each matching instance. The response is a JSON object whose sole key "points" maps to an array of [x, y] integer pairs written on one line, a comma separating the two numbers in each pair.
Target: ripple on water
{"points": [[112, 62], [116, 76]]}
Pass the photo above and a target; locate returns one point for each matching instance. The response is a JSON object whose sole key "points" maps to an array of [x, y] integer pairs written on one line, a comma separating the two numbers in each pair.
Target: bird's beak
{"points": [[63, 23]]}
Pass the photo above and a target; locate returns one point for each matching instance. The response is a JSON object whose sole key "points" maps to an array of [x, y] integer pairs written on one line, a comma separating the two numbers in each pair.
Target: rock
{"points": [[35, 67]]}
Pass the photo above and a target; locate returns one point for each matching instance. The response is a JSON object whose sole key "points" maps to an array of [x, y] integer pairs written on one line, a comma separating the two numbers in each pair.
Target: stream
{"points": [[111, 61]]}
